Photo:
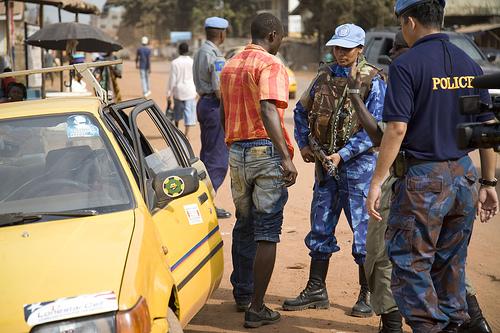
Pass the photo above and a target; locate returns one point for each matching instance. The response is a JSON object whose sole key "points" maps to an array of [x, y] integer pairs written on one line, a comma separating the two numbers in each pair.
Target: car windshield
{"points": [[59, 164], [468, 47]]}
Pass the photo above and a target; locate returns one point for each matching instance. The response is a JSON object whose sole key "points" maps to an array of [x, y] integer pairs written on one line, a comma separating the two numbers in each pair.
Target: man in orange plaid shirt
{"points": [[254, 88]]}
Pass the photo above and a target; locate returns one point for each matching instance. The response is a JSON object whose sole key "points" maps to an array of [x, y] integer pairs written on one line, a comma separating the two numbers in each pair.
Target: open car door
{"points": [[178, 198]]}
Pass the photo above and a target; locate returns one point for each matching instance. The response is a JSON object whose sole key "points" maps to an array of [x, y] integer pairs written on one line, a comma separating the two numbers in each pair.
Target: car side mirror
{"points": [[491, 57], [384, 60], [172, 184]]}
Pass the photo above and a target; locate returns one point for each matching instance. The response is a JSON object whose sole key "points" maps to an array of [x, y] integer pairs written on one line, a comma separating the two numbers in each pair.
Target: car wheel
{"points": [[174, 326], [292, 95]]}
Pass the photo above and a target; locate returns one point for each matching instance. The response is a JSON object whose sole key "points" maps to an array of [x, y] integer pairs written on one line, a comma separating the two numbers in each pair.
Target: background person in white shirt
{"points": [[181, 89]]}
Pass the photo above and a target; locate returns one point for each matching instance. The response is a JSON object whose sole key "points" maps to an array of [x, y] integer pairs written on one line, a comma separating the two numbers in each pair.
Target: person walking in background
{"points": [[143, 63], [326, 113], [254, 87], [181, 92], [207, 66]]}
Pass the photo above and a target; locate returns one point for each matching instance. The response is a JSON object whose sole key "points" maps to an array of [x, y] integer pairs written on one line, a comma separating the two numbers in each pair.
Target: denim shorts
{"points": [[258, 190], [185, 110]]}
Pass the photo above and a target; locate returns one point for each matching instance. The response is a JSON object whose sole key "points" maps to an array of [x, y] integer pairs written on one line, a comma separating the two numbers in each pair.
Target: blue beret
{"points": [[347, 35], [216, 22], [403, 5]]}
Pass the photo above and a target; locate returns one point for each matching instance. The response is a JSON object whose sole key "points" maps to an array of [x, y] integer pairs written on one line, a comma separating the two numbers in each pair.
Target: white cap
{"points": [[144, 40]]}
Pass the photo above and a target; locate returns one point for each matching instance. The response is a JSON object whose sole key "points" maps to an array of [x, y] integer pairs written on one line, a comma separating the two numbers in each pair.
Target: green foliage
{"points": [[149, 16], [158, 17], [328, 14]]}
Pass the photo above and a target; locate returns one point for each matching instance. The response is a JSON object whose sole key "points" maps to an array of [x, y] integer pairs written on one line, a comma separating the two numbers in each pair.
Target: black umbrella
{"points": [[57, 36]]}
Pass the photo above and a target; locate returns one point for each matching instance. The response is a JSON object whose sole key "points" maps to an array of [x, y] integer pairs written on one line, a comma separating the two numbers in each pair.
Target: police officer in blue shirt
{"points": [[434, 202], [207, 66]]}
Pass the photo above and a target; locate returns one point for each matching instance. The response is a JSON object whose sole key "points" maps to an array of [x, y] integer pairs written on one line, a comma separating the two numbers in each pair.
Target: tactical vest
{"points": [[332, 118]]}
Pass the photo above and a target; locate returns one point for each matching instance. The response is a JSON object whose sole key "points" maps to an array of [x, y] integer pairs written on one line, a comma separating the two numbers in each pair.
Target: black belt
{"points": [[416, 161], [209, 95]]}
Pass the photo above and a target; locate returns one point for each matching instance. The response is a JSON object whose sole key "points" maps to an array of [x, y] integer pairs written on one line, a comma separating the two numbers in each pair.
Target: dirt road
{"points": [[292, 265]]}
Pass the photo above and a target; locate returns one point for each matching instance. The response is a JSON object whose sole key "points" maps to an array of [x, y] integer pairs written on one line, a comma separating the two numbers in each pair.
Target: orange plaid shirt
{"points": [[249, 77]]}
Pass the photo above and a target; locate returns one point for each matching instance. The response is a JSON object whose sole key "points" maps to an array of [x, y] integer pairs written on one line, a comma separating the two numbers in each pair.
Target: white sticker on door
{"points": [[193, 214]]}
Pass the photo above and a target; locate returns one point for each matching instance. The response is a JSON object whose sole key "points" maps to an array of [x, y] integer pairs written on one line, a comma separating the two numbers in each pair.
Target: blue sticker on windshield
{"points": [[81, 127]]}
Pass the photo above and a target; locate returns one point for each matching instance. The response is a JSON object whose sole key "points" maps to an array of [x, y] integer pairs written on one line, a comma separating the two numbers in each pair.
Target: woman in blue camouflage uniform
{"points": [[325, 113]]}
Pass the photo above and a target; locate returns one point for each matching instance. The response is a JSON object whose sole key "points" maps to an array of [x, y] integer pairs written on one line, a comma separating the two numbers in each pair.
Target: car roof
{"points": [[49, 107], [390, 32]]}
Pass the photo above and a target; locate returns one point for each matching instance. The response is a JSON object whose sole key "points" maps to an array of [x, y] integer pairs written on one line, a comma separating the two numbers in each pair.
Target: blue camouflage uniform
{"points": [[433, 206], [348, 193], [207, 66]]}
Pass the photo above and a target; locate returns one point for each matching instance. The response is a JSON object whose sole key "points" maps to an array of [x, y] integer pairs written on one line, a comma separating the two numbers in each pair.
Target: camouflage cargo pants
{"points": [[330, 198], [429, 226], [378, 267]]}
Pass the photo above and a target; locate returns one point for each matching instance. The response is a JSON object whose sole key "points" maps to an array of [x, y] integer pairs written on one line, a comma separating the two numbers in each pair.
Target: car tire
{"points": [[291, 95], [174, 326]]}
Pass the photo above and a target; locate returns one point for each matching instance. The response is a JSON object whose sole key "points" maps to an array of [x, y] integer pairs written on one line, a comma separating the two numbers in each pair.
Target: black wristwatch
{"points": [[491, 183]]}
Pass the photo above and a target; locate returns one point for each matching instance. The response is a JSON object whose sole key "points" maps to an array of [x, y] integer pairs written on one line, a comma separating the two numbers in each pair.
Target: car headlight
{"points": [[104, 323], [134, 320]]}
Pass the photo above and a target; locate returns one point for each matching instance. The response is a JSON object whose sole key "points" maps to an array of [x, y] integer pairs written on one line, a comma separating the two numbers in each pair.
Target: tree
{"points": [[151, 17], [328, 14], [158, 17]]}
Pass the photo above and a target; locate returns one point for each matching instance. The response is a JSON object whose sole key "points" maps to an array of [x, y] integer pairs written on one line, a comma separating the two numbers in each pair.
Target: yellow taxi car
{"points": [[107, 222], [292, 81]]}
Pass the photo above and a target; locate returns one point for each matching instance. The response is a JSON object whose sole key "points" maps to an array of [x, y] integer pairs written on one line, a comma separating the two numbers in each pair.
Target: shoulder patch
{"points": [[219, 64]]}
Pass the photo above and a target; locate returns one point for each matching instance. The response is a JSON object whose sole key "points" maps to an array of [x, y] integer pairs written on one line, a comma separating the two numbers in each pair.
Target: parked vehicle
{"points": [[107, 218]]}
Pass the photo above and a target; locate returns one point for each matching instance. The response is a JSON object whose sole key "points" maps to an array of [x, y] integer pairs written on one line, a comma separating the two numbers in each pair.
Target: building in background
{"points": [[110, 19], [17, 33], [278, 8], [295, 26]]}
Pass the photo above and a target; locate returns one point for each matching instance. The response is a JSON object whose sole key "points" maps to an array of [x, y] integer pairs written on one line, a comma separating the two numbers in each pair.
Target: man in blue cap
{"points": [[434, 199], [207, 66], [326, 114]]}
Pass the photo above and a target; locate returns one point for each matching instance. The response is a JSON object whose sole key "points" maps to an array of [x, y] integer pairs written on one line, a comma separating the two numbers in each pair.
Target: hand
{"points": [[307, 154], [335, 158], [170, 101], [373, 201], [289, 172], [487, 205], [354, 78]]}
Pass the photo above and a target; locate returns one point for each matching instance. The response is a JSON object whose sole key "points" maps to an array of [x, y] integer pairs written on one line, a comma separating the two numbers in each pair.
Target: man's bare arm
{"points": [[389, 148], [367, 120], [270, 118]]}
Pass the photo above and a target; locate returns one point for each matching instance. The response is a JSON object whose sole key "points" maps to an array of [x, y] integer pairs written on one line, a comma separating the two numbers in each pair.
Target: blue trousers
{"points": [[429, 227], [259, 197], [214, 152], [144, 80], [330, 197]]}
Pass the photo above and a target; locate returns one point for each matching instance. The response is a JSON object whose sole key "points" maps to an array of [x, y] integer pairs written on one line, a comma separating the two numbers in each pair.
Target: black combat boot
{"points": [[315, 294], [392, 322], [477, 323], [362, 308]]}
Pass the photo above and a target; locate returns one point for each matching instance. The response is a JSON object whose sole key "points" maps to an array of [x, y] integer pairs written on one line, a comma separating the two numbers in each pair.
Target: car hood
{"points": [[47, 261]]}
